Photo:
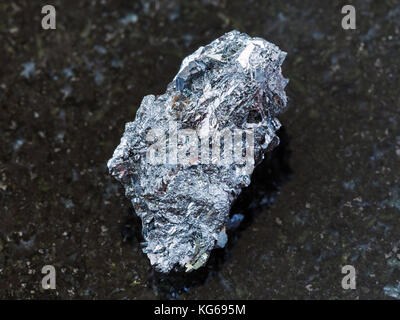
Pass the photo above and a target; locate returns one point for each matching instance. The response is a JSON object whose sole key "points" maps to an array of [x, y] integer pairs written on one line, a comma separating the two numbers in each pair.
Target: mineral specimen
{"points": [[190, 151]]}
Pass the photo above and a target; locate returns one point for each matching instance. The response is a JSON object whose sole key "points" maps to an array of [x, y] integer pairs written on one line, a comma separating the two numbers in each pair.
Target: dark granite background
{"points": [[328, 197]]}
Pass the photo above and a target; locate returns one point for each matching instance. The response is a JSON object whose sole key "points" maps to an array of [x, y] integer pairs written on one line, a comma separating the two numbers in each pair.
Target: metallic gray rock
{"points": [[234, 84]]}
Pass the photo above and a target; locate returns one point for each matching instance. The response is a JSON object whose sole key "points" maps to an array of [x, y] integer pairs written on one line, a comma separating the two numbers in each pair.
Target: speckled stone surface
{"points": [[65, 95]]}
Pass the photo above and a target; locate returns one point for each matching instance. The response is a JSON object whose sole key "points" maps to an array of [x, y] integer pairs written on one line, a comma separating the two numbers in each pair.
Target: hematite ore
{"points": [[184, 197]]}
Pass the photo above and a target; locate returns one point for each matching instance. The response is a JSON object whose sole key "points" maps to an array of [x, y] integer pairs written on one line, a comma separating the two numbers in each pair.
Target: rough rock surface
{"points": [[180, 187]]}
